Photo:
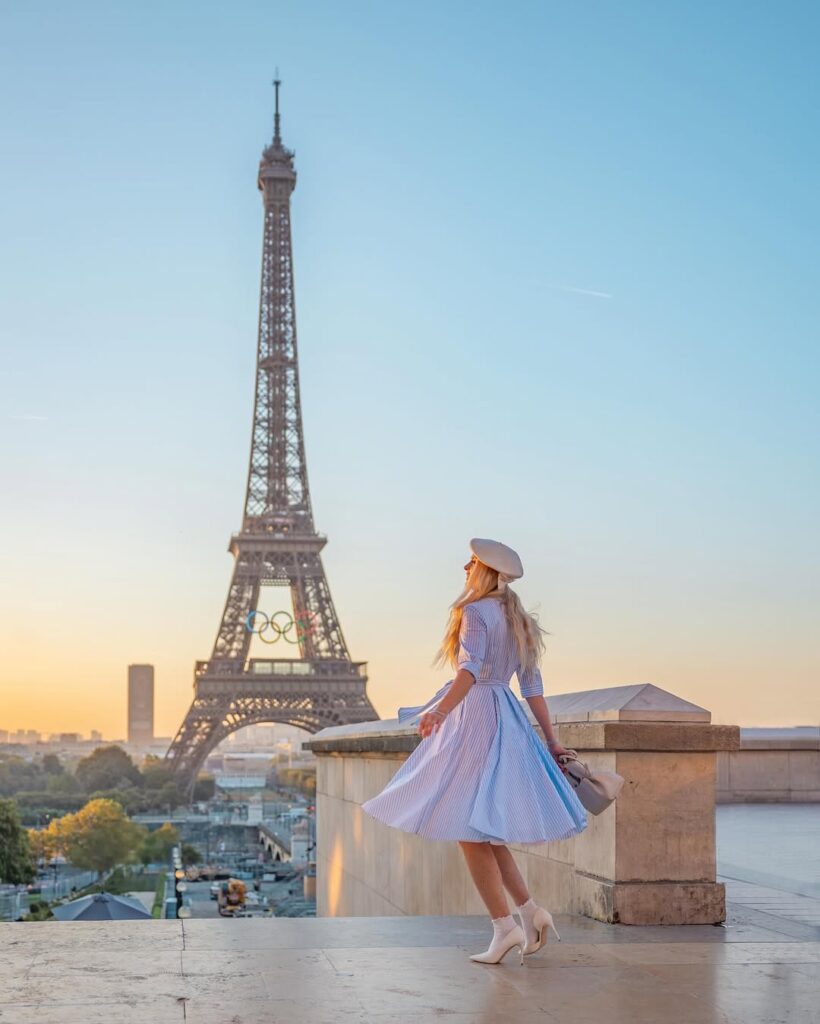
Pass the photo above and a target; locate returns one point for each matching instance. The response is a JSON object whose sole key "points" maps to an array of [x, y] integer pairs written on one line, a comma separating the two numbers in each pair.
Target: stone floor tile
{"points": [[328, 986], [291, 961], [274, 1011], [221, 986], [740, 928], [562, 954], [773, 953], [92, 986], [569, 954], [422, 958], [638, 953], [618, 995], [63, 961], [336, 932], [429, 982], [747, 923], [36, 936], [149, 1011], [487, 1016], [747, 993], [746, 834]]}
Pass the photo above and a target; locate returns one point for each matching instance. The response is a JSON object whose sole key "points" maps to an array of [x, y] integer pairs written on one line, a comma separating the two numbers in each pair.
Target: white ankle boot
{"points": [[502, 943], [535, 926]]}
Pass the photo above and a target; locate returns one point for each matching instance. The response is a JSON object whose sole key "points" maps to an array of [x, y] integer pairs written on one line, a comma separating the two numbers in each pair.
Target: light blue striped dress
{"points": [[484, 775]]}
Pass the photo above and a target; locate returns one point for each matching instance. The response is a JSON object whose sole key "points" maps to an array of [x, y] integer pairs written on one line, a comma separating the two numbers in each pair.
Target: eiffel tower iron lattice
{"points": [[278, 543]]}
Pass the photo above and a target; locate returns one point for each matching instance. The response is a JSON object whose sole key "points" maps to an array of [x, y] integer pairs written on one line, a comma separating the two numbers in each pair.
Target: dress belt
{"points": [[405, 713]]}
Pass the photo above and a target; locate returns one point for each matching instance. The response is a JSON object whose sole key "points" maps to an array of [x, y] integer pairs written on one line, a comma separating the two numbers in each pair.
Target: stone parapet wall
{"points": [[771, 766]]}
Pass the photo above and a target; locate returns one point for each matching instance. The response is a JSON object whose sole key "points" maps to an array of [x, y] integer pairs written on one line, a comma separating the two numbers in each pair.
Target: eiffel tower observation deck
{"points": [[302, 673]]}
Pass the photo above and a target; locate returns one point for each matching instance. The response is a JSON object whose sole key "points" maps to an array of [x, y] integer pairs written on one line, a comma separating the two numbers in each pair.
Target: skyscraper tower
{"points": [[306, 677], [140, 703]]}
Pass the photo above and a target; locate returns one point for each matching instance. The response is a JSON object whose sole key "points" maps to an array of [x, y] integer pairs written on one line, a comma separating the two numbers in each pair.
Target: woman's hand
{"points": [[557, 750], [430, 722]]}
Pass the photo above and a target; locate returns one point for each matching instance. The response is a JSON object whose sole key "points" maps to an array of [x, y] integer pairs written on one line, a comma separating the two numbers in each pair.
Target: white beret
{"points": [[498, 556]]}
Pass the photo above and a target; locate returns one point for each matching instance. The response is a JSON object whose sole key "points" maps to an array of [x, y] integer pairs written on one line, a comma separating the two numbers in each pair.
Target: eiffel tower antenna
{"points": [[277, 137], [306, 677]]}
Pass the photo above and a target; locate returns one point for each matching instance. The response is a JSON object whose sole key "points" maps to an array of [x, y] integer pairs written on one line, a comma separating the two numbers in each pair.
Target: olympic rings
{"points": [[301, 626]]}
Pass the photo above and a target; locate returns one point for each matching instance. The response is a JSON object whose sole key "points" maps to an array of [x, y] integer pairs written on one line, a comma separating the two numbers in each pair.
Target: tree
{"points": [[97, 837], [52, 765], [41, 844], [17, 774], [62, 784], [190, 854], [156, 846], [168, 796], [37, 809], [16, 863], [298, 778], [108, 768], [131, 800], [156, 772], [204, 787], [38, 910]]}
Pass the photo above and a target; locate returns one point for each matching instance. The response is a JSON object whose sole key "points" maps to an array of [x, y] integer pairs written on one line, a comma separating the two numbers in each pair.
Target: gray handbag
{"points": [[595, 790]]}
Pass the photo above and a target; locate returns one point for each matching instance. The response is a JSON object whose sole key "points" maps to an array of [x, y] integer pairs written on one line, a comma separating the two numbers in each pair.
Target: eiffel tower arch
{"points": [[309, 680]]}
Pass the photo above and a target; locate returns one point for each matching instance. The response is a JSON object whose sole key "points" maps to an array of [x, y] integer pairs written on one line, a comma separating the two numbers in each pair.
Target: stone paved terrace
{"points": [[761, 967]]}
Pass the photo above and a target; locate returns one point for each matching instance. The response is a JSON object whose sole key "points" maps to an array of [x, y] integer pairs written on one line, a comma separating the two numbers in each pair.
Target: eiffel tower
{"points": [[278, 546]]}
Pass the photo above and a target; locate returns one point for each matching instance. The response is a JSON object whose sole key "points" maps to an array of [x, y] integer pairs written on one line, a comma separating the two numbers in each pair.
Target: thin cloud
{"points": [[25, 416], [580, 291]]}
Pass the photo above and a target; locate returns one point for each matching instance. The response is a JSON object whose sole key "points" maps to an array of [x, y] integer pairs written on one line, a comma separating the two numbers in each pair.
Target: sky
{"points": [[556, 284]]}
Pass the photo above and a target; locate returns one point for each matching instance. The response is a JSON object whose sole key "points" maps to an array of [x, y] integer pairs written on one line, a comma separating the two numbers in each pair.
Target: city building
{"points": [[24, 736], [140, 703]]}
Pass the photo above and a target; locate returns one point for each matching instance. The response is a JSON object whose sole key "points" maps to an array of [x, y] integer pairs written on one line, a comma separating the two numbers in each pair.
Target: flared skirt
{"points": [[483, 776]]}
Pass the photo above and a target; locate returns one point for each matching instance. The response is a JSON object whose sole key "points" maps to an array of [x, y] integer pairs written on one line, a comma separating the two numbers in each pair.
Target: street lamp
{"points": [[179, 888]]}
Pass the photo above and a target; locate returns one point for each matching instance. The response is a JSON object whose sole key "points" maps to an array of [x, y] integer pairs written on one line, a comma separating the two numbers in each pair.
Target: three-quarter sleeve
{"points": [[530, 682], [472, 641]]}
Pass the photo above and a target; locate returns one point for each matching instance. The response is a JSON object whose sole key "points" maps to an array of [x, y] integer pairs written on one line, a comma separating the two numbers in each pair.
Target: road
{"points": [[202, 906]]}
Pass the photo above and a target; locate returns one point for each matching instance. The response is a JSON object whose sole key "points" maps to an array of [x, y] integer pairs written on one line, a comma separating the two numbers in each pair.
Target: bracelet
{"points": [[551, 743], [434, 712]]}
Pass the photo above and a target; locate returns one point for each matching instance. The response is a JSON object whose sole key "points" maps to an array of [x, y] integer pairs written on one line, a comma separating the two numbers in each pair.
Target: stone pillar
{"points": [[648, 859]]}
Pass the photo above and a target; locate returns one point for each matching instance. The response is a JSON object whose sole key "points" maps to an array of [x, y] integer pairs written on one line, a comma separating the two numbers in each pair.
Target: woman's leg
{"points": [[487, 876], [510, 875]]}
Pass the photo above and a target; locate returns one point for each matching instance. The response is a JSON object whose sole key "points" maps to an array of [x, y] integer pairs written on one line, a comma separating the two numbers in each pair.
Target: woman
{"points": [[481, 775]]}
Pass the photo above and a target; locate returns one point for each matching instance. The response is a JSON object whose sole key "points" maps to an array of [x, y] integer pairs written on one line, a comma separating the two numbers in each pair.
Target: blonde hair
{"points": [[526, 630]]}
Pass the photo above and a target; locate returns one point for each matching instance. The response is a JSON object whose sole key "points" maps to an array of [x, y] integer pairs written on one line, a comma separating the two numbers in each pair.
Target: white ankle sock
{"points": [[527, 911], [501, 925]]}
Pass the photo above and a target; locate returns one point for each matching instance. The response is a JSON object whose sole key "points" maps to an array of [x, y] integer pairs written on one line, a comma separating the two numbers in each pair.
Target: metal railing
{"points": [[14, 903]]}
